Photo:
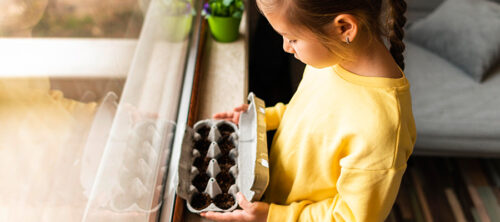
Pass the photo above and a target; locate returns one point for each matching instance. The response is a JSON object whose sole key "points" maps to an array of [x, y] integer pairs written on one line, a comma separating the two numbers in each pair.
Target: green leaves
{"points": [[237, 14], [227, 3], [224, 8]]}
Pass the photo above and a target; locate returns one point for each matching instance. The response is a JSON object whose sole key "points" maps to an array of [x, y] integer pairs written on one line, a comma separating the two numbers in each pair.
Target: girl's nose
{"points": [[287, 47]]}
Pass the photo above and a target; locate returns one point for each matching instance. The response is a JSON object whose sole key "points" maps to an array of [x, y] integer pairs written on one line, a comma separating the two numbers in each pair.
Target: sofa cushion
{"points": [[464, 32], [447, 106], [418, 9]]}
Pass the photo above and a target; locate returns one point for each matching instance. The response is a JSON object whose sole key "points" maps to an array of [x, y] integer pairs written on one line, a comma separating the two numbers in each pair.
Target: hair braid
{"points": [[396, 32]]}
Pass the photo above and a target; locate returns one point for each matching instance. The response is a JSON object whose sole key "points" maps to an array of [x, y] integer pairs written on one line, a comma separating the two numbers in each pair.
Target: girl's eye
{"points": [[292, 41]]}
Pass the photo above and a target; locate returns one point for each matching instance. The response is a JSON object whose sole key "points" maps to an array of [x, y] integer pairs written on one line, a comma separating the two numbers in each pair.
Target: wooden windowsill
{"points": [[223, 83], [224, 78]]}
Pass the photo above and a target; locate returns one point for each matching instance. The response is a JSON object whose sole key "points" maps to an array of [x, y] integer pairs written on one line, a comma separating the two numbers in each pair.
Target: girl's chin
{"points": [[305, 62], [315, 65], [318, 66]]}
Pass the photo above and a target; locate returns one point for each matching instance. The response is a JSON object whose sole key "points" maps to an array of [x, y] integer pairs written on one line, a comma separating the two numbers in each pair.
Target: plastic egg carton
{"points": [[141, 160], [219, 159]]}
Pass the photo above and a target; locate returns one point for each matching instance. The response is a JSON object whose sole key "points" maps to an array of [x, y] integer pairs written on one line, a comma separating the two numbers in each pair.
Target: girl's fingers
{"points": [[231, 115], [217, 116], [224, 115], [220, 115], [241, 108], [236, 215], [244, 203], [236, 118]]}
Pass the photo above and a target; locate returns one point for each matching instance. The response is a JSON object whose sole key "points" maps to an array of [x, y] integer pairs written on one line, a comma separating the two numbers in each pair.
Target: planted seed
{"points": [[224, 201], [225, 181], [200, 201], [201, 181]]}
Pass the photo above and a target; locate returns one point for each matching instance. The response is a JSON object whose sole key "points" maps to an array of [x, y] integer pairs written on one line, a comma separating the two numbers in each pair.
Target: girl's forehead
{"points": [[281, 25]]}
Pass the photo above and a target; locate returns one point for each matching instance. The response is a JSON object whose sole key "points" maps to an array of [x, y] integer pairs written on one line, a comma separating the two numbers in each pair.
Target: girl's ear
{"points": [[345, 26]]}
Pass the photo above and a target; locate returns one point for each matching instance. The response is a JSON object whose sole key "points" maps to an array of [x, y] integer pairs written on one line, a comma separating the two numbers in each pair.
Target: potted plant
{"points": [[224, 18]]}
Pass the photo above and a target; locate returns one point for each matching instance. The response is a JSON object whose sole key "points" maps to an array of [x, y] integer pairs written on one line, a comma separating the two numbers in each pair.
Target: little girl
{"points": [[343, 140]]}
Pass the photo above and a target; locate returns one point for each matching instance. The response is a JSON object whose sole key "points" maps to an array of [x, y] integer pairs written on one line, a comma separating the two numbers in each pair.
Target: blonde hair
{"points": [[316, 14]]}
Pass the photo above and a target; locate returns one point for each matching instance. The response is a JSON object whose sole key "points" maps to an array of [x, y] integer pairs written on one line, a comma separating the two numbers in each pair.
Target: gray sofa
{"points": [[454, 115]]}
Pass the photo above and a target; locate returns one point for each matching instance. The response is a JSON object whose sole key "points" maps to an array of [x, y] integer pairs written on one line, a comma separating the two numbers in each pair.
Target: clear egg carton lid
{"points": [[219, 159]]}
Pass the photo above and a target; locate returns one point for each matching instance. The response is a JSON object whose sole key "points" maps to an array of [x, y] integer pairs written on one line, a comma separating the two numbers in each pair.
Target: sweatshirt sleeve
{"points": [[363, 195], [274, 115]]}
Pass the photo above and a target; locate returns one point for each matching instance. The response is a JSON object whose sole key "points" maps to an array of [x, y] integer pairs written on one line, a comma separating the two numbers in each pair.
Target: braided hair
{"points": [[396, 33]]}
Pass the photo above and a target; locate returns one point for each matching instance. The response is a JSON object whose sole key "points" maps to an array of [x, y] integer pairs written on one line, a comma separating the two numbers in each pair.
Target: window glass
{"points": [[88, 102]]}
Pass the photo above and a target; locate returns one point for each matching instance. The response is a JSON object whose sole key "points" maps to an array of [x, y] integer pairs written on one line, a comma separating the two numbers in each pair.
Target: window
{"points": [[90, 98]]}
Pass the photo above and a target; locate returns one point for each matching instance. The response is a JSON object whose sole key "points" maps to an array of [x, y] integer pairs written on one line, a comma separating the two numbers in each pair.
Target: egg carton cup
{"points": [[207, 150], [141, 162]]}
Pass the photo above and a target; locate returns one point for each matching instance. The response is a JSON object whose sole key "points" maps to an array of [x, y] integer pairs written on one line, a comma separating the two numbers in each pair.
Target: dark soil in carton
{"points": [[201, 181], [200, 201], [201, 163], [225, 181], [226, 144], [225, 129], [202, 146], [224, 201], [225, 163], [204, 131]]}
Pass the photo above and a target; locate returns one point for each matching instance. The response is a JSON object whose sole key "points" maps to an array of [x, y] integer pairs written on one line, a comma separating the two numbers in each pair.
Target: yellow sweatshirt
{"points": [[341, 147]]}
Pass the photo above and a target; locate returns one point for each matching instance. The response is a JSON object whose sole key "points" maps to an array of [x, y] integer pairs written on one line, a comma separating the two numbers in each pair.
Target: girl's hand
{"points": [[256, 211], [233, 116]]}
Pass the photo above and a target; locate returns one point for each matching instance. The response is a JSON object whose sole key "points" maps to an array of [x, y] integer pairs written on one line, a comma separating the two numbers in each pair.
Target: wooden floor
{"points": [[445, 189]]}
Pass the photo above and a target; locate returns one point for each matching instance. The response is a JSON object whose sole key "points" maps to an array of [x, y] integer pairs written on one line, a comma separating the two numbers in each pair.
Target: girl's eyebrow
{"points": [[281, 33], [292, 34], [285, 34]]}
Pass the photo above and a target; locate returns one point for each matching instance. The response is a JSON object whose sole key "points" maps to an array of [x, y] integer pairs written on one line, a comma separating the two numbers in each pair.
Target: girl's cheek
{"points": [[297, 49]]}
